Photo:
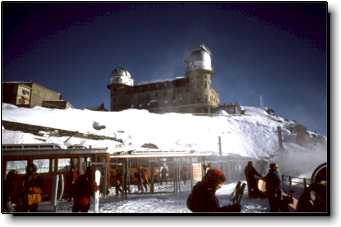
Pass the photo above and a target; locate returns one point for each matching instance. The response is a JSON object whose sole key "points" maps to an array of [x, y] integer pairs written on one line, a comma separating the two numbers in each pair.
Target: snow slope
{"points": [[253, 134]]}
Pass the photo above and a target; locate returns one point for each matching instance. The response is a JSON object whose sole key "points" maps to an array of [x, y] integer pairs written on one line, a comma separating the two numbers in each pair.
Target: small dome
{"points": [[199, 58], [121, 76]]}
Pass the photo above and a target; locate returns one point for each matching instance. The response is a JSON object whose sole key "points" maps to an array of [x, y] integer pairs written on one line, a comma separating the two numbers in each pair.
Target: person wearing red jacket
{"points": [[84, 188]]}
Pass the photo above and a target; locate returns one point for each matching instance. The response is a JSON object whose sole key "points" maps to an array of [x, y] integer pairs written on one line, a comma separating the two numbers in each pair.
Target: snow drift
{"points": [[253, 134]]}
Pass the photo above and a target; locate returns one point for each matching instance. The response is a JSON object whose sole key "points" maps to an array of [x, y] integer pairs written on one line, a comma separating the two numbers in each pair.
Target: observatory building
{"points": [[192, 92]]}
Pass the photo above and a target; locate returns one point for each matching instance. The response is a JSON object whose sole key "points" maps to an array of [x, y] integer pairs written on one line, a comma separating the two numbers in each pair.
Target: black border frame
{"points": [[329, 138]]}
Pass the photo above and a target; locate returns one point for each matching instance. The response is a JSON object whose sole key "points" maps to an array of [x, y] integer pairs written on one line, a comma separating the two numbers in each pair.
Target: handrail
{"points": [[290, 180]]}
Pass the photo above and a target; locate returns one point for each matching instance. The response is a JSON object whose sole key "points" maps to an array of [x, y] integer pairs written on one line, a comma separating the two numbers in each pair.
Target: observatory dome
{"points": [[121, 76], [199, 59]]}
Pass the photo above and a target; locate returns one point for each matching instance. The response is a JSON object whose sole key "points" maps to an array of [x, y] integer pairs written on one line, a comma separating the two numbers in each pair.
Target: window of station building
{"points": [[63, 163], [42, 165], [19, 166]]}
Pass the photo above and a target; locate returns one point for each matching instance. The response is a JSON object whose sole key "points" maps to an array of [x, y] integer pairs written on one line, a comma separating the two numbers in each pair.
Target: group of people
{"points": [[273, 191], [142, 179], [25, 193], [203, 199], [22, 194], [145, 177]]}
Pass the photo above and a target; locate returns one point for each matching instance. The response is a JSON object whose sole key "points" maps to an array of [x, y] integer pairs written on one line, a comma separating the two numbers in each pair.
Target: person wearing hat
{"points": [[203, 199], [273, 188]]}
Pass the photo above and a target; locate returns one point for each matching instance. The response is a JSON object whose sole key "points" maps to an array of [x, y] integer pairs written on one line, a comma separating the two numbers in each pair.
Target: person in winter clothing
{"points": [[84, 187], [250, 175], [273, 188], [164, 173], [202, 197], [71, 175], [207, 167], [10, 193], [32, 189], [142, 179], [313, 199]]}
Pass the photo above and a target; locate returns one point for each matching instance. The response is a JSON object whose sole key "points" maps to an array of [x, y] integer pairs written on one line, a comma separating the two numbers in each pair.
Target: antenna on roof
{"points": [[202, 46]]}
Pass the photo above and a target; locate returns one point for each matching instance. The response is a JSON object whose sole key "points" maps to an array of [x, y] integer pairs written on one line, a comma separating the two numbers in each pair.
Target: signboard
{"points": [[23, 95], [197, 172]]}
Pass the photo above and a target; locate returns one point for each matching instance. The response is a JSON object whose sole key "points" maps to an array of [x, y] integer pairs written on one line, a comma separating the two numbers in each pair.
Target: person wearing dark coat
{"points": [[163, 175], [202, 197], [313, 199], [32, 189], [273, 188], [10, 196], [250, 175], [84, 187]]}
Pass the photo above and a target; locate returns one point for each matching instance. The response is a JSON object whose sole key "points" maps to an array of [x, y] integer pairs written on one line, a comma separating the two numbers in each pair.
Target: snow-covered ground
{"points": [[167, 203], [253, 134]]}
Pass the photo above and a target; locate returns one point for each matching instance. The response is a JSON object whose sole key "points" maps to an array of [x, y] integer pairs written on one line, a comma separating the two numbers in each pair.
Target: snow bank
{"points": [[253, 134]]}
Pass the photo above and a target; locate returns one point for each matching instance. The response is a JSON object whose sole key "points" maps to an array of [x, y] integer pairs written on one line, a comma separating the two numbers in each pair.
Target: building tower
{"points": [[199, 71], [121, 76], [120, 80]]}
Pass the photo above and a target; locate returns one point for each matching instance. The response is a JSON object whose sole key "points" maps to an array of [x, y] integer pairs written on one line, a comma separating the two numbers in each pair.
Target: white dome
{"points": [[121, 76], [199, 59]]}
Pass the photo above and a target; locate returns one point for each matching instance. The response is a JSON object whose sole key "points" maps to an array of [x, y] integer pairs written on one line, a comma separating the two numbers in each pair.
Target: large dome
{"points": [[121, 76], [199, 58]]}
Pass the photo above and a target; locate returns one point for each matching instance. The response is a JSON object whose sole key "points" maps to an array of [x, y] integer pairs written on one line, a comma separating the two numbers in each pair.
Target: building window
{"points": [[42, 165], [19, 166]]}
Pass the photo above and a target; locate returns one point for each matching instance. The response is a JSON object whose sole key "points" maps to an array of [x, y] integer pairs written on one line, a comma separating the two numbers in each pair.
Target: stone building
{"points": [[192, 92], [30, 94], [231, 108]]}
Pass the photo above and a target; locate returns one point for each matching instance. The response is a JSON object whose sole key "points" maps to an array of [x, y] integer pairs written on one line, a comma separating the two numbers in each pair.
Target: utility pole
{"points": [[280, 138], [261, 101], [220, 154], [219, 144]]}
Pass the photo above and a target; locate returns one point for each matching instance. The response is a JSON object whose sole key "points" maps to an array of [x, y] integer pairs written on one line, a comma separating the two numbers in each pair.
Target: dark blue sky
{"points": [[275, 50]]}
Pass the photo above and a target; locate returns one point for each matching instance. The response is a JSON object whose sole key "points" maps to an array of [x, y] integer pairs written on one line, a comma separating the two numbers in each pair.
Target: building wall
{"points": [[17, 93], [59, 104], [193, 93], [9, 92], [40, 93]]}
